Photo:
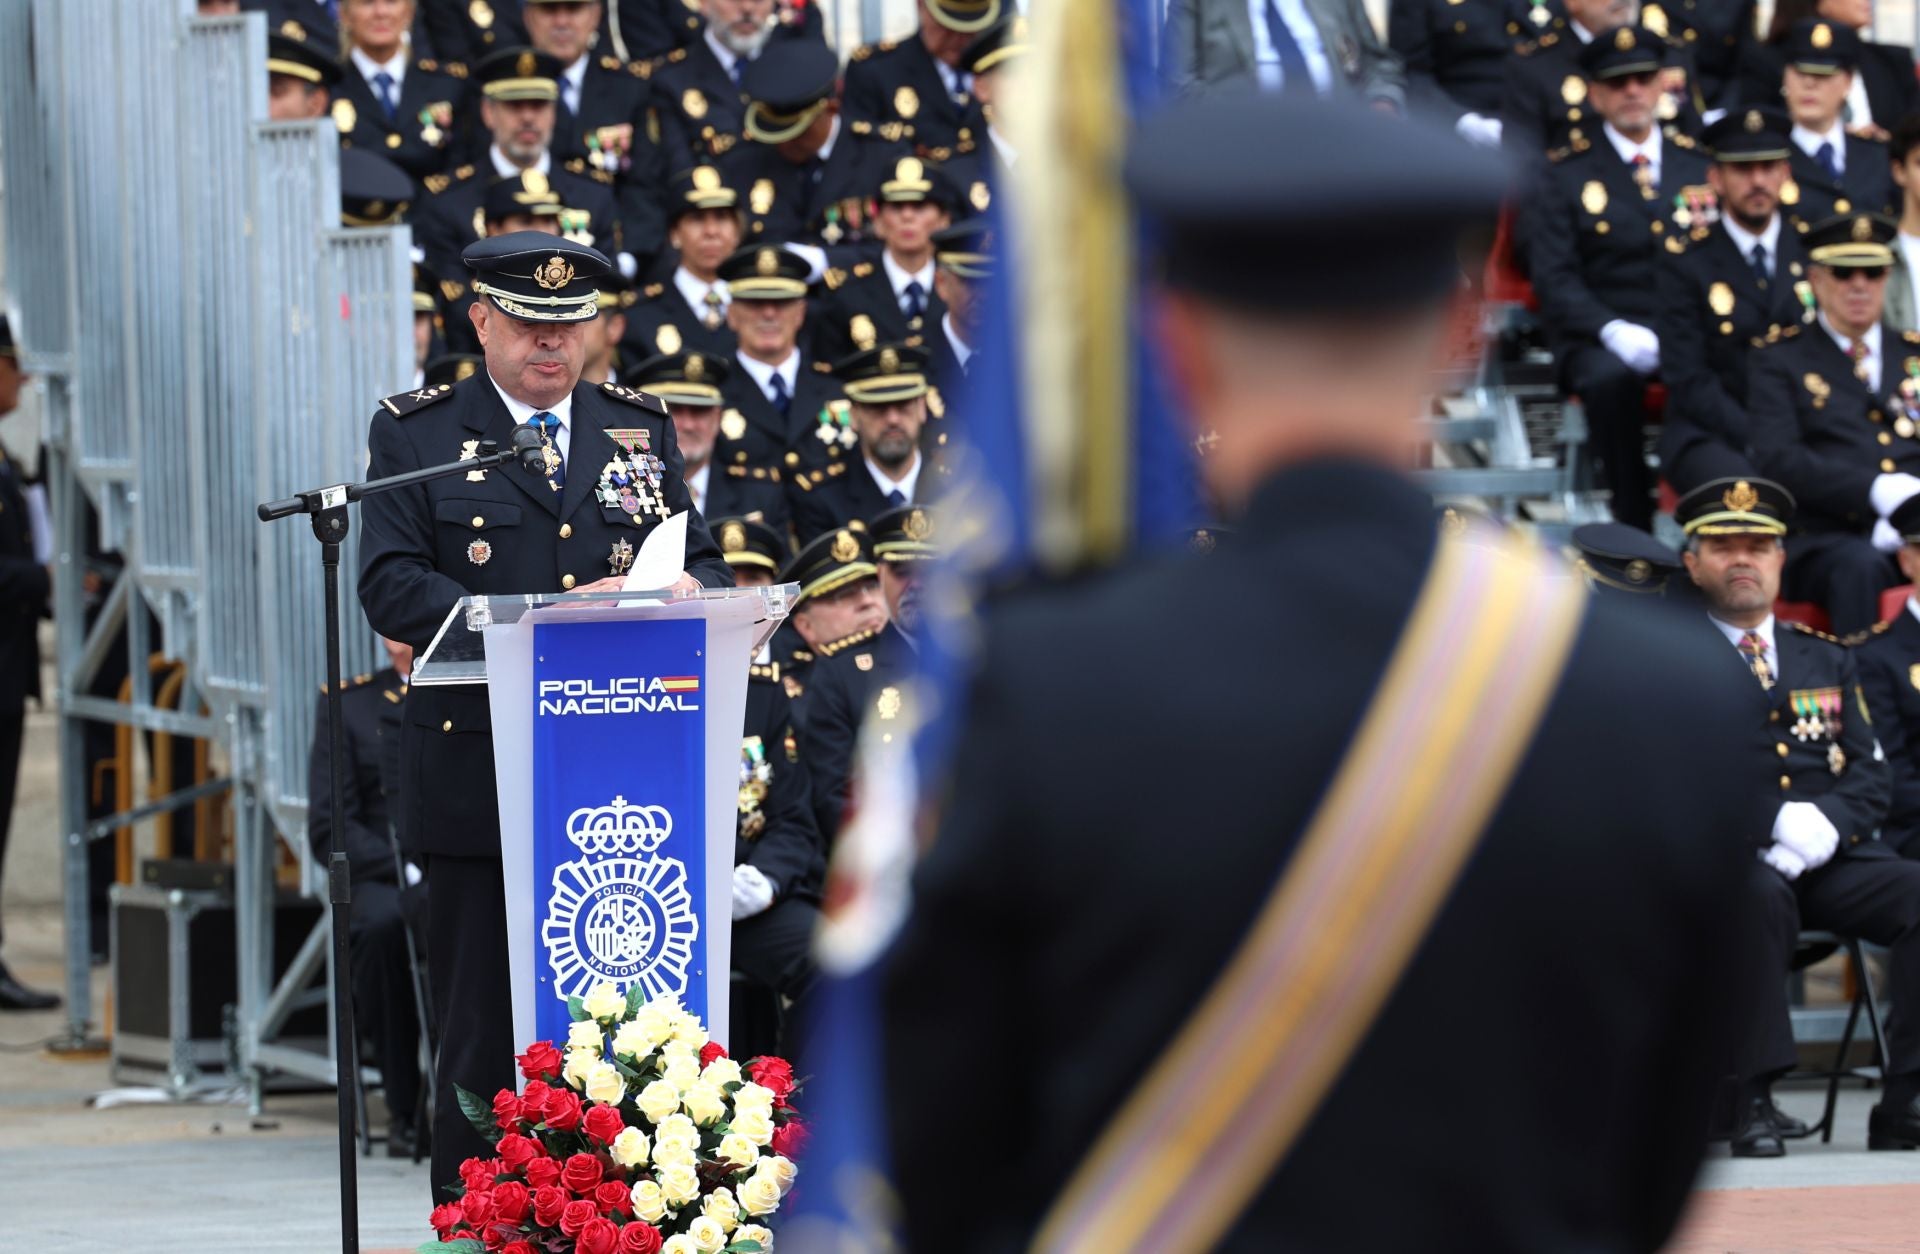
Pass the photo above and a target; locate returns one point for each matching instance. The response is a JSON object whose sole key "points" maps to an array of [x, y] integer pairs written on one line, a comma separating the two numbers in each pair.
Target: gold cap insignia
{"points": [[1639, 570], [844, 548], [1913, 674], [860, 330], [1822, 36], [1862, 230], [1754, 122], [733, 537], [706, 179], [481, 12], [917, 526], [667, 338], [534, 181], [980, 196], [293, 30], [1654, 18], [1740, 498], [525, 66], [889, 361], [696, 368], [767, 263], [557, 273], [909, 170], [1623, 39], [345, 116]]}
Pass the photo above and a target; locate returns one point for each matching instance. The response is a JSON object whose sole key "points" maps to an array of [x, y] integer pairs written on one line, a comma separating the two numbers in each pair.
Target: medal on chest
{"points": [[836, 426]]}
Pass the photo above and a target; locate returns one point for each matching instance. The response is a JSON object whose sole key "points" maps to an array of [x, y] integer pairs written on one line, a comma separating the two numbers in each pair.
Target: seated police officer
{"points": [[1819, 863], [963, 257], [390, 101], [1834, 171], [689, 383], [839, 606], [1889, 661], [303, 67], [388, 897], [689, 309], [886, 411], [609, 472], [892, 298], [1832, 423], [865, 680], [1728, 285], [777, 394]]}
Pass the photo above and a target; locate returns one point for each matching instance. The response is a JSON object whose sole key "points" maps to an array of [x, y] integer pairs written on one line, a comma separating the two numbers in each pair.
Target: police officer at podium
{"points": [[566, 526]]}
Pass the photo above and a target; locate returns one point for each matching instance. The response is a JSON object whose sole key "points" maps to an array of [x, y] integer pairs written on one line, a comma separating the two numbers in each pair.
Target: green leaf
{"points": [[479, 1113], [636, 998], [738, 1247], [472, 1245], [576, 1011]]}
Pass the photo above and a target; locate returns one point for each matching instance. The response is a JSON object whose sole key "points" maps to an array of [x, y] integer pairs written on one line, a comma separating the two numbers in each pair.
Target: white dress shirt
{"points": [[396, 66], [905, 484], [506, 169], [1734, 634], [962, 351], [571, 80], [695, 289], [1628, 150], [697, 481], [957, 82], [1858, 110], [1871, 375], [762, 374], [1580, 32], [1300, 25], [1809, 142], [520, 411], [725, 55], [900, 278], [1744, 239]]}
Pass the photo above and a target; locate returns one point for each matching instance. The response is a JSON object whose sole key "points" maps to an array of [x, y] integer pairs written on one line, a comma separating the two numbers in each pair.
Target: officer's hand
{"points": [[1785, 861], [685, 586], [1633, 344], [752, 891], [1805, 832], [1478, 129], [612, 583], [1886, 537]]}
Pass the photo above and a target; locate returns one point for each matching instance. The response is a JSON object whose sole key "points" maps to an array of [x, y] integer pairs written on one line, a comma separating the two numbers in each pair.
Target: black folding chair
{"points": [[1815, 947]]}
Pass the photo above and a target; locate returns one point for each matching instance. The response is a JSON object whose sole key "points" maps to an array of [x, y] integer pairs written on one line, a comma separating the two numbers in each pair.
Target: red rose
{"points": [[580, 1173], [576, 1216], [563, 1110], [477, 1208], [790, 1138], [710, 1051], [477, 1174], [533, 1101], [773, 1073], [548, 1201], [541, 1061], [516, 1247], [511, 1202], [602, 1124], [600, 1236], [611, 1196], [506, 1110], [517, 1151], [641, 1238], [445, 1216], [542, 1172]]}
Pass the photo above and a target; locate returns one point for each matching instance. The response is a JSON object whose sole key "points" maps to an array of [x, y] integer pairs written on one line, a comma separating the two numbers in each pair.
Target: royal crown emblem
{"points": [[556, 273], [667, 338], [293, 30], [860, 331], [909, 170], [619, 913], [534, 181], [1740, 498], [844, 548], [918, 526]]}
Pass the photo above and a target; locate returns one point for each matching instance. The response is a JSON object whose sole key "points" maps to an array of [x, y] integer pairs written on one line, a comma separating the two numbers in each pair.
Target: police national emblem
{"points": [[555, 274], [620, 913], [733, 538], [845, 548], [1741, 497]]}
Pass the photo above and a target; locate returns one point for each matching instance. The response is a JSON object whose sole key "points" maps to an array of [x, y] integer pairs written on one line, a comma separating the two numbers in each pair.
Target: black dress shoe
{"points": [[1754, 1135], [401, 1138], [16, 996], [1894, 1124], [1785, 1124]]}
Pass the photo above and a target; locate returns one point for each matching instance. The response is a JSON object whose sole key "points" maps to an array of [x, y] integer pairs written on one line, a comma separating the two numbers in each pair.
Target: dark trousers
{"points": [[383, 1004], [774, 952], [467, 962], [1867, 891], [13, 723], [1613, 397], [1843, 574]]}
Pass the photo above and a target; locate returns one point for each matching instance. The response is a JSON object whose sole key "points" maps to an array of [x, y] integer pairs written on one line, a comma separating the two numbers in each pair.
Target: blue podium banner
{"points": [[619, 812]]}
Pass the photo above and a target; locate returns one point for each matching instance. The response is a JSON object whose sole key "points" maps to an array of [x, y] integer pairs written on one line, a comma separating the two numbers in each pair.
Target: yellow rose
{"points": [[676, 1129], [706, 1103], [781, 1169], [682, 1184], [680, 1244], [753, 1097], [605, 1001], [721, 1072], [708, 1236], [682, 1071], [605, 1084], [630, 1148], [648, 1202], [585, 1035], [722, 1209], [755, 1126], [738, 1150], [760, 1195], [754, 1232], [658, 1100]]}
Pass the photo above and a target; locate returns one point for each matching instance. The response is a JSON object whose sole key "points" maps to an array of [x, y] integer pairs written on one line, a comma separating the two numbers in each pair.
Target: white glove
{"points": [[815, 257], [1890, 492], [752, 891], [413, 874], [1784, 860], [1886, 538], [1476, 129], [1633, 344], [1805, 832]]}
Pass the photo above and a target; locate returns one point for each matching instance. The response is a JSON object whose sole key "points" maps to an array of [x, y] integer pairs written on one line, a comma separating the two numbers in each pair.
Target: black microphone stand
{"points": [[326, 508]]}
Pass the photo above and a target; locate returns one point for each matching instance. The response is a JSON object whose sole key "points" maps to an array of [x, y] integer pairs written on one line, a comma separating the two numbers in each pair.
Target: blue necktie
{"points": [[549, 428], [914, 302], [383, 89], [733, 71], [896, 498], [1760, 269], [333, 10], [1294, 75], [782, 399], [1824, 155]]}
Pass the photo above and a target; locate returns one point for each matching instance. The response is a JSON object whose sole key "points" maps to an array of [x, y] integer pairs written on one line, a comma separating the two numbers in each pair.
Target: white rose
{"points": [[754, 1232], [605, 1001], [654, 1022], [579, 1063], [673, 1154], [630, 1148], [760, 1195], [707, 1234], [721, 1072], [676, 1129], [753, 1097], [780, 1169], [658, 1100], [681, 1184], [688, 1030], [682, 1071], [706, 1103], [722, 1209], [605, 1084], [585, 1035], [738, 1150], [632, 1040], [648, 1202], [755, 1125], [681, 1244]]}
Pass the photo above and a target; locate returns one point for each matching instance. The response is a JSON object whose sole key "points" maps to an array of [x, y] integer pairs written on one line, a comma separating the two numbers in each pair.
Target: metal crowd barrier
{"points": [[207, 336]]}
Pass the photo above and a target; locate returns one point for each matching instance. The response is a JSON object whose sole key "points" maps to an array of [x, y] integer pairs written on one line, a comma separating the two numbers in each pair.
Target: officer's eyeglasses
{"points": [[1639, 78], [1869, 273]]}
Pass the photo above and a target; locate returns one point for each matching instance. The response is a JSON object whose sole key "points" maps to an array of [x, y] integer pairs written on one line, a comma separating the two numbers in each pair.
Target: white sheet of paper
{"points": [[661, 558]]}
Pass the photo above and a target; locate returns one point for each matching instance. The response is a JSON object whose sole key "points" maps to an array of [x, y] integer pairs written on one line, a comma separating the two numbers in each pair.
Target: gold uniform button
{"points": [[1885, 438], [1785, 782], [1886, 464], [1854, 839], [1782, 748], [566, 531], [566, 581], [447, 726], [1773, 716], [479, 521]]}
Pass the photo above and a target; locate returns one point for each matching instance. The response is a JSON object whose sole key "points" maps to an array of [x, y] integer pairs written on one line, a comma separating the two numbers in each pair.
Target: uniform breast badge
{"points": [[620, 561], [756, 779], [471, 449], [620, 913], [836, 426], [479, 552], [1836, 760]]}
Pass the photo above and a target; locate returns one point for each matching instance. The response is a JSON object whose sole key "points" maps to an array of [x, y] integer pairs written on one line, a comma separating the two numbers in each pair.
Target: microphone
{"points": [[526, 443]]}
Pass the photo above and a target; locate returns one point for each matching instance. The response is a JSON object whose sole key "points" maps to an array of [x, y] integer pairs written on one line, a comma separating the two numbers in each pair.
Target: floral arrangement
{"points": [[641, 1137]]}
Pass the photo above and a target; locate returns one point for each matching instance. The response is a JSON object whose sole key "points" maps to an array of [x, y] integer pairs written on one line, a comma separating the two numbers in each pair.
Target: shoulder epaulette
{"points": [[1680, 138], [400, 404], [640, 69], [823, 367], [634, 396], [862, 269], [1911, 337], [456, 68], [347, 685], [846, 642], [1861, 637], [652, 290], [609, 62], [678, 54], [770, 672], [802, 655], [1815, 632], [833, 278], [428, 64]]}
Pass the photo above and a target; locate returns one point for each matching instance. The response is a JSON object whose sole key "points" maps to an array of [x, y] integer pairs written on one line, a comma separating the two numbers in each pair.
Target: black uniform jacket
{"points": [[370, 716], [422, 135], [776, 831], [894, 93], [1889, 665]]}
